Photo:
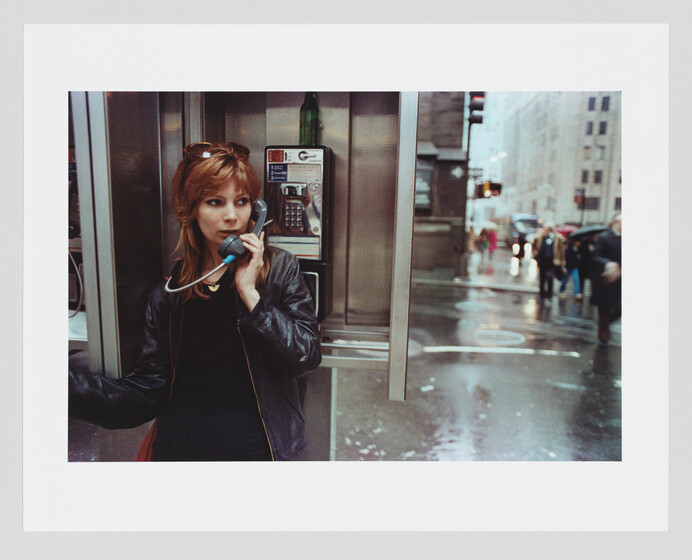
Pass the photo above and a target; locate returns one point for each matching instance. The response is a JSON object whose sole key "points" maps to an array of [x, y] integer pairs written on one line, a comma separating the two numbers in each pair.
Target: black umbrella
{"points": [[587, 230]]}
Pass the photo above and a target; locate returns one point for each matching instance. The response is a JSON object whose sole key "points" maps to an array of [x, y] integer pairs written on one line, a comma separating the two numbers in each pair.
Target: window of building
{"points": [[592, 103], [587, 152], [602, 127], [605, 103], [424, 178], [589, 127], [598, 176], [600, 152], [592, 203], [584, 176], [618, 203]]}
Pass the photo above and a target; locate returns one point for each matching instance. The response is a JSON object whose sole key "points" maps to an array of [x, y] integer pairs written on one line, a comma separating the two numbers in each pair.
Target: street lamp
{"points": [[493, 171], [497, 157]]}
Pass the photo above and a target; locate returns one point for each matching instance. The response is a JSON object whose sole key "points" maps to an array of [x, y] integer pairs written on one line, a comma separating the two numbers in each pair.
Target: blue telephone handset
{"points": [[232, 247]]}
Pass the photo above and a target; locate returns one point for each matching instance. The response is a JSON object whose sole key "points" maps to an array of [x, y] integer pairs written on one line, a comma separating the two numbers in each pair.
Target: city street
{"points": [[494, 374]]}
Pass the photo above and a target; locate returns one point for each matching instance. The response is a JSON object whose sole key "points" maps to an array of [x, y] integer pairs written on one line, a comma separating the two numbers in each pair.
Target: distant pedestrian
{"points": [[521, 251], [572, 258], [607, 283], [549, 252], [482, 241], [471, 240], [585, 261], [492, 241]]}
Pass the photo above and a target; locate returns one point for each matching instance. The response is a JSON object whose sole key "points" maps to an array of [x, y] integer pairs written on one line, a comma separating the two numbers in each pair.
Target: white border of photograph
{"points": [[631, 495]]}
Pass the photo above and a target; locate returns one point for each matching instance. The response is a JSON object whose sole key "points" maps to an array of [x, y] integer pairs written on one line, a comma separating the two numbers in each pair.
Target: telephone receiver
{"points": [[233, 245]]}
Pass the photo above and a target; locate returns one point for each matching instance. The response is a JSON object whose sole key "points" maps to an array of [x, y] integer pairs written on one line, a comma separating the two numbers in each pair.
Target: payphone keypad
{"points": [[293, 213]]}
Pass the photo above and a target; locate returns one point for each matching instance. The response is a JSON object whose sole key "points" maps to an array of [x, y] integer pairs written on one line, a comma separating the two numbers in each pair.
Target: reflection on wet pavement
{"points": [[479, 400]]}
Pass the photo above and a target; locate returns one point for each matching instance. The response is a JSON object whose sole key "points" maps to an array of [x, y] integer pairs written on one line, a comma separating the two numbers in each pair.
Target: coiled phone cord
{"points": [[225, 262]]}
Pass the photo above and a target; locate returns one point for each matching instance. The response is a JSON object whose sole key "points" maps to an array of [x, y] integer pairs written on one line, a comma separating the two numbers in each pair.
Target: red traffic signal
{"points": [[476, 102]]}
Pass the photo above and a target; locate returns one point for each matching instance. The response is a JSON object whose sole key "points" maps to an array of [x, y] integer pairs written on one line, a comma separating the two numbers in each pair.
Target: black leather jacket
{"points": [[281, 345]]}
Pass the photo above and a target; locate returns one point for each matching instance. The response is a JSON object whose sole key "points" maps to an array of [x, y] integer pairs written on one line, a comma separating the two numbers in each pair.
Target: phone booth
{"points": [[298, 181], [345, 211]]}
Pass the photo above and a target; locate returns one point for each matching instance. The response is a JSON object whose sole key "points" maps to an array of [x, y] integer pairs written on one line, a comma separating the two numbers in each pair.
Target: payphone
{"points": [[297, 192]]}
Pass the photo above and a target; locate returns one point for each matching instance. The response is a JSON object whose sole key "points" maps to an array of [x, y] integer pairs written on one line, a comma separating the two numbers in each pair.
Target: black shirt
{"points": [[212, 373], [213, 414]]}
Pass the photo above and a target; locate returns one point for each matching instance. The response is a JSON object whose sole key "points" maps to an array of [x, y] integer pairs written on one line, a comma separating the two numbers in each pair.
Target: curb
{"points": [[466, 284]]}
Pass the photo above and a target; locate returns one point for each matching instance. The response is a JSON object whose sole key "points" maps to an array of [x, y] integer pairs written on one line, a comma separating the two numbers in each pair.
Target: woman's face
{"points": [[225, 212]]}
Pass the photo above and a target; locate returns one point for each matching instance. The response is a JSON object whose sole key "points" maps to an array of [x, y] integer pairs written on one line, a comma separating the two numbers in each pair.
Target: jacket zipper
{"points": [[254, 389], [173, 362]]}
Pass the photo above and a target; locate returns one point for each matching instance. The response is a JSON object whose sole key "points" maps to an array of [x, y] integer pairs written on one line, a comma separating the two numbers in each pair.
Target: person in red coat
{"points": [[492, 241]]}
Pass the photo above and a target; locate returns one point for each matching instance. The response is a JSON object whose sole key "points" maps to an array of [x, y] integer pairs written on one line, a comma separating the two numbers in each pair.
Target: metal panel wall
{"points": [[245, 119], [335, 114], [374, 139], [171, 134], [283, 117], [135, 198]]}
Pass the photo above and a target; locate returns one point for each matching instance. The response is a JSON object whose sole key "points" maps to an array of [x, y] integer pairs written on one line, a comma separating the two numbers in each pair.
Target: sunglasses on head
{"points": [[203, 150]]}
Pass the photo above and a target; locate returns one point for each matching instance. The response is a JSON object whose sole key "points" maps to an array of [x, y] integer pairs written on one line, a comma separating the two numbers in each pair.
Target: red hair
{"points": [[197, 177]]}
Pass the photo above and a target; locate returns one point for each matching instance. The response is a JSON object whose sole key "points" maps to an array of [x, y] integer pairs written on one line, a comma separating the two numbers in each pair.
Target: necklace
{"points": [[212, 287]]}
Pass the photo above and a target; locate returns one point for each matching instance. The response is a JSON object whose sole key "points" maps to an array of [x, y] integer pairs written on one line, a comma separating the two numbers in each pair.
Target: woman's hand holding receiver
{"points": [[249, 268]]}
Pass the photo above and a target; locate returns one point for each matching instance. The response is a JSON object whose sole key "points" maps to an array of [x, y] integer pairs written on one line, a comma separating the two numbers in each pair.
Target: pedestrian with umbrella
{"points": [[587, 236], [607, 278]]}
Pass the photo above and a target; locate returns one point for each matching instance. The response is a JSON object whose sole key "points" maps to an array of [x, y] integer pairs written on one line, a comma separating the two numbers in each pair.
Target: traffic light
{"points": [[495, 189], [579, 198], [476, 101], [488, 189]]}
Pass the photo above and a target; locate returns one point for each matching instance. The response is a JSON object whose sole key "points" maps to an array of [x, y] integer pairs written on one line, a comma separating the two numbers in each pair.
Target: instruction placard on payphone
{"points": [[295, 194]]}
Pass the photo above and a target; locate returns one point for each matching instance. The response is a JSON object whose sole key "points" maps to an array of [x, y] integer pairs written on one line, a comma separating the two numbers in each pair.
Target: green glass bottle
{"points": [[309, 120]]}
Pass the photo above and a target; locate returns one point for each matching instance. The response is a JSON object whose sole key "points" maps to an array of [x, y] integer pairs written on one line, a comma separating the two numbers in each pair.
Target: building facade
{"points": [[563, 158], [440, 161]]}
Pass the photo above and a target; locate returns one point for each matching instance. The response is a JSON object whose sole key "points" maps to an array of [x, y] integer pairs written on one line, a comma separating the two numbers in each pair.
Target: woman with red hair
{"points": [[222, 362]]}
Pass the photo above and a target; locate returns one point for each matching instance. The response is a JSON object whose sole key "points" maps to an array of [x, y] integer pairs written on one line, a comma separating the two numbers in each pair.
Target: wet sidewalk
{"points": [[499, 271], [494, 373]]}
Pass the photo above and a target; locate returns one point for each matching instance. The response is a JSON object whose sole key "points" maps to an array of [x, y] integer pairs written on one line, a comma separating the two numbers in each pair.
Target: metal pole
{"points": [[461, 268], [403, 244]]}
